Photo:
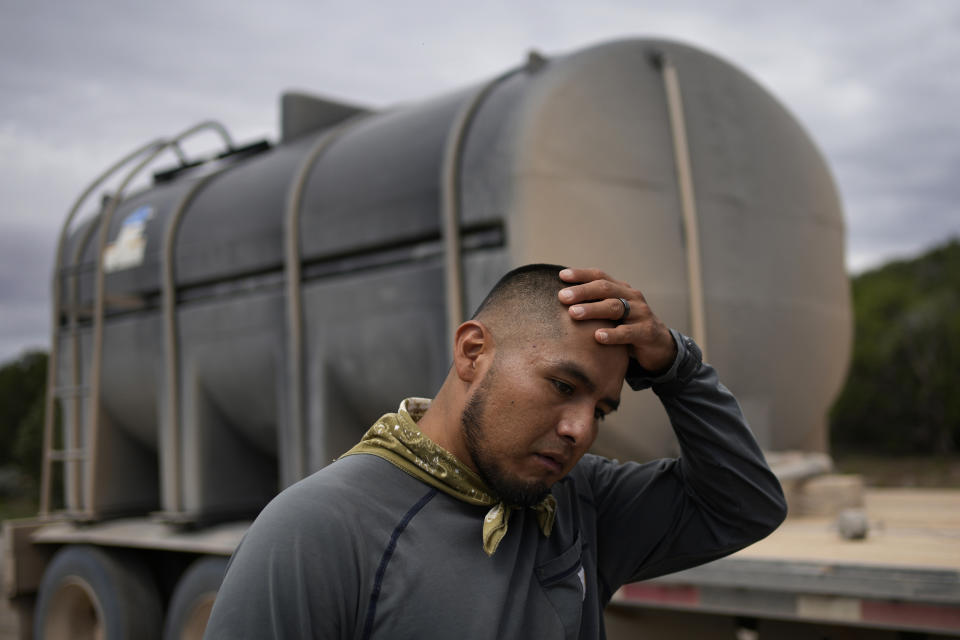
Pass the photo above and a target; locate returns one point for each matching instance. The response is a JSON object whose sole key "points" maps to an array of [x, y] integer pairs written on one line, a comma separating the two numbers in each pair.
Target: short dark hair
{"points": [[525, 294]]}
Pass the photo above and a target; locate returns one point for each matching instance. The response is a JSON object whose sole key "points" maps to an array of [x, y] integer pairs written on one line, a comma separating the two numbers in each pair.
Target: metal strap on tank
{"points": [[688, 201], [72, 465], [55, 307], [171, 339], [450, 196], [291, 221], [90, 445]]}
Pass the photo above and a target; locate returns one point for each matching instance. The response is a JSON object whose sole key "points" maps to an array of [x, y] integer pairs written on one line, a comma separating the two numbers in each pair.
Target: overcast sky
{"points": [[876, 83]]}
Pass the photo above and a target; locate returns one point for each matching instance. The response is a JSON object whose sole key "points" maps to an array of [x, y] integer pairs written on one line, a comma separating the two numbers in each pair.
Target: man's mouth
{"points": [[552, 461]]}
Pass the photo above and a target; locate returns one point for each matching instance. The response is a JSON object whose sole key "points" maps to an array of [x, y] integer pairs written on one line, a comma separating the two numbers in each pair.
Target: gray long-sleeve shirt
{"points": [[361, 549]]}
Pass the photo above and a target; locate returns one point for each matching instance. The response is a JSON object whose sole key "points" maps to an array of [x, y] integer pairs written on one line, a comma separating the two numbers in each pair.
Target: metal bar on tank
{"points": [[178, 151], [171, 347], [450, 196], [72, 470], [99, 304], [293, 291], [688, 202], [52, 360], [220, 129]]}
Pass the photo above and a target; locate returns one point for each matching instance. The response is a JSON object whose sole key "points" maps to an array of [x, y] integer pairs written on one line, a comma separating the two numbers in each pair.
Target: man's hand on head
{"points": [[650, 342]]}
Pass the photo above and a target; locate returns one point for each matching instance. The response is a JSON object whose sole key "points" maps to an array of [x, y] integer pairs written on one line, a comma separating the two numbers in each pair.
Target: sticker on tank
{"points": [[128, 249]]}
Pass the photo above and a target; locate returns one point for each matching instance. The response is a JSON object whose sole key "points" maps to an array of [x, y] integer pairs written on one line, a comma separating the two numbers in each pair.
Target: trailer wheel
{"points": [[88, 593], [193, 599]]}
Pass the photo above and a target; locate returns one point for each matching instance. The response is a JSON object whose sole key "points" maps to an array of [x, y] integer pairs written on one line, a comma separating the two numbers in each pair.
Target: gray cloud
{"points": [[873, 81]]}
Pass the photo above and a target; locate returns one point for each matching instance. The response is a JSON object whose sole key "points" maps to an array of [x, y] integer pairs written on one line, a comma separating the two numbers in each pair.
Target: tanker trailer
{"points": [[241, 322]]}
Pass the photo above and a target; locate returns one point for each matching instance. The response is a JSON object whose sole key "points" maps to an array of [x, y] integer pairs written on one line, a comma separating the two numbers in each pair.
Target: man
{"points": [[479, 515]]}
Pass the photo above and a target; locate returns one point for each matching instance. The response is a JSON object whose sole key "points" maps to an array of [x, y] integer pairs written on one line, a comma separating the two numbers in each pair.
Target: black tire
{"points": [[193, 598], [86, 590]]}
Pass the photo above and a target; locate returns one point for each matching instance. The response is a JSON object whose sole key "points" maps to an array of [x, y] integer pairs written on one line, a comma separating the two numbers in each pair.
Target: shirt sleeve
{"points": [[717, 497], [288, 579]]}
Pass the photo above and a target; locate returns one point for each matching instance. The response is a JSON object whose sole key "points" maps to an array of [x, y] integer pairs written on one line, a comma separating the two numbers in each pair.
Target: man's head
{"points": [[532, 385], [524, 302]]}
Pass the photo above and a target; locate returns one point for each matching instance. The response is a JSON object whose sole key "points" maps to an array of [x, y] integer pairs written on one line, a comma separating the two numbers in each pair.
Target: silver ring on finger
{"points": [[626, 310]]}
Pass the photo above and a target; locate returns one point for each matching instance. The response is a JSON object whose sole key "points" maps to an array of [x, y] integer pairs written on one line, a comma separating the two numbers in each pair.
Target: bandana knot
{"points": [[396, 438]]}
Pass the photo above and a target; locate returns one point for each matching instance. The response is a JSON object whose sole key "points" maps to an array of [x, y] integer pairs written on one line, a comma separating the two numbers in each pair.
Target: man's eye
{"points": [[562, 387], [599, 415]]}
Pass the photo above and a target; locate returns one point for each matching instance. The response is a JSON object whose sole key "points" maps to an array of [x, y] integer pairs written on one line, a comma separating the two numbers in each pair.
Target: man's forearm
{"points": [[720, 460]]}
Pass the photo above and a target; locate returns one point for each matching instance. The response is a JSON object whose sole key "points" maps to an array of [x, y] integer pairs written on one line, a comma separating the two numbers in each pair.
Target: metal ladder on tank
{"points": [[77, 449]]}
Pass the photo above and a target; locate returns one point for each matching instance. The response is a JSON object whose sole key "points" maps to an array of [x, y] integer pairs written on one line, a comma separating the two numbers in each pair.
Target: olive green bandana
{"points": [[396, 438]]}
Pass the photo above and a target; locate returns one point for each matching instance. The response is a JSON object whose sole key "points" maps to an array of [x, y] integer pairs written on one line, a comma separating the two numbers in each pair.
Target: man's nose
{"points": [[578, 426]]}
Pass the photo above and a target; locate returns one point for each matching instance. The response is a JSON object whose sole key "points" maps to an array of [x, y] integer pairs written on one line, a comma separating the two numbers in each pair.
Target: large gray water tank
{"points": [[571, 160]]}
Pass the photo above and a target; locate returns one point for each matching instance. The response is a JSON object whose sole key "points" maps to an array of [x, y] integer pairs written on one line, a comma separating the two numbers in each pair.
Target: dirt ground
{"points": [[942, 472]]}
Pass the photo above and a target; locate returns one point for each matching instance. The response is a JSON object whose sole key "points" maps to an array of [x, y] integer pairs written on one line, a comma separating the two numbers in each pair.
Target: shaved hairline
{"points": [[524, 304]]}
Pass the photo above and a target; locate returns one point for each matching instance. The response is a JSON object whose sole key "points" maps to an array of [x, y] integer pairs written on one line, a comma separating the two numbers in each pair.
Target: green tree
{"points": [[22, 386], [900, 395], [28, 447]]}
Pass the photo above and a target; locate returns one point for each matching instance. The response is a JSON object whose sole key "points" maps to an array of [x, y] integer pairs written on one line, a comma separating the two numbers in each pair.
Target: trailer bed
{"points": [[905, 575]]}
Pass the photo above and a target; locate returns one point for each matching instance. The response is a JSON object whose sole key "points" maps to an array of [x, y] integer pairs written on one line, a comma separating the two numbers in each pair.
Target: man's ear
{"points": [[471, 341]]}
